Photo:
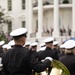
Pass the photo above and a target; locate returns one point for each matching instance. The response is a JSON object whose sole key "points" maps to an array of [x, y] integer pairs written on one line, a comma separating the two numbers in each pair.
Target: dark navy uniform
{"points": [[69, 61], [1, 50], [1, 54], [61, 54], [56, 51], [21, 61], [47, 52], [69, 58]]}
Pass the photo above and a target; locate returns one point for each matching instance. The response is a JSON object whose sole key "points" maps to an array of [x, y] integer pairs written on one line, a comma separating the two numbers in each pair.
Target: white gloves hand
{"points": [[49, 58]]}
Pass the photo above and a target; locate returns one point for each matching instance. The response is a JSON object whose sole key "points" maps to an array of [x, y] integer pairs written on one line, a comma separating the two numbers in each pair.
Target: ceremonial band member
{"points": [[27, 45], [21, 61], [48, 52], [69, 58]]}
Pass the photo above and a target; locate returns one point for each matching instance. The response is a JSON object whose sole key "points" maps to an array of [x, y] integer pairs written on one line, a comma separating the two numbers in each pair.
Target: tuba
{"points": [[58, 68]]}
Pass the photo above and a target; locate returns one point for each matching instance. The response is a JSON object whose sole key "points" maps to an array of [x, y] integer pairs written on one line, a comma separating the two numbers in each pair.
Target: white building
{"points": [[40, 17]]}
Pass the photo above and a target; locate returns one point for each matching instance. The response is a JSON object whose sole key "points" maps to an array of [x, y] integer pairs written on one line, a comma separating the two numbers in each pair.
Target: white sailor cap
{"points": [[27, 43], [62, 46], [18, 32], [2, 42], [42, 48], [50, 39], [5, 46], [69, 44], [42, 44], [34, 44], [55, 43], [8, 47], [11, 43]]}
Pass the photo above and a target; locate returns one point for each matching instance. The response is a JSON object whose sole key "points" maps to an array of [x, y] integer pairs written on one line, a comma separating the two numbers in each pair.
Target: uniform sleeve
{"points": [[37, 65], [4, 71]]}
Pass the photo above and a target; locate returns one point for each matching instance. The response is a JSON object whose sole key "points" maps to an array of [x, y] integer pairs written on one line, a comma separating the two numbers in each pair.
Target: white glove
{"points": [[49, 58]]}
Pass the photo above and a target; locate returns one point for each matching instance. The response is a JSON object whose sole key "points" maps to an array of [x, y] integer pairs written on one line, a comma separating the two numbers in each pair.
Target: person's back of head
{"points": [[19, 35]]}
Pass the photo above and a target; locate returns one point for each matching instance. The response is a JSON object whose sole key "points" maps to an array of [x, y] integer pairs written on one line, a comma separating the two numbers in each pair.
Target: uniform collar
{"points": [[17, 45], [48, 48]]}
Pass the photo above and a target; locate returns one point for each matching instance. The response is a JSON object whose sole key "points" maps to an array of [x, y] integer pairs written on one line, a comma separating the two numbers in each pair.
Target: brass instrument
{"points": [[58, 68]]}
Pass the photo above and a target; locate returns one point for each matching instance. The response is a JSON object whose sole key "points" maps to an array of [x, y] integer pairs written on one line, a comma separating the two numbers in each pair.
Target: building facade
{"points": [[42, 18]]}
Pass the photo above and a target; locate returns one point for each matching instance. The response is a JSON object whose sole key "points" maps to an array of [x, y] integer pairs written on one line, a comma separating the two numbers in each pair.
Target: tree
{"points": [[2, 20]]}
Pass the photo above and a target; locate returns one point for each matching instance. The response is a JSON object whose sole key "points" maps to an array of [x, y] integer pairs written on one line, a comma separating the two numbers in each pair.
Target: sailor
{"points": [[1, 49], [69, 58], [56, 47], [11, 43], [62, 51], [42, 44], [1, 55], [33, 46], [27, 45], [42, 48], [48, 51], [19, 60], [5, 46]]}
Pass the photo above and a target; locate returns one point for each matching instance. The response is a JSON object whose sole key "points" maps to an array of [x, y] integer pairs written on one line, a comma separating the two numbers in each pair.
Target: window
{"points": [[23, 24], [9, 5], [23, 4], [10, 26], [36, 25]]}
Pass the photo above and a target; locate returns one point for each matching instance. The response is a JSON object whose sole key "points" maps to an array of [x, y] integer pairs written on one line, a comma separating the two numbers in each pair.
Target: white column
{"points": [[73, 18], [40, 19], [27, 14], [30, 17], [56, 19]]}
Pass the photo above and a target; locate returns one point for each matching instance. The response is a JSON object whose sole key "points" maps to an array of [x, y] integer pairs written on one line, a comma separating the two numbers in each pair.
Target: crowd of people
{"points": [[62, 31], [21, 57]]}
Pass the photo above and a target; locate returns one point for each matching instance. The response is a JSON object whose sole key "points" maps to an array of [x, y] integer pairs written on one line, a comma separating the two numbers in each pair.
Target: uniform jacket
{"points": [[48, 52], [21, 61], [1, 50], [69, 61]]}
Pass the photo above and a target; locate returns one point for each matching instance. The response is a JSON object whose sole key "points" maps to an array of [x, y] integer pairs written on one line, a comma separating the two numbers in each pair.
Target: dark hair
{"points": [[18, 37], [49, 42], [34, 46]]}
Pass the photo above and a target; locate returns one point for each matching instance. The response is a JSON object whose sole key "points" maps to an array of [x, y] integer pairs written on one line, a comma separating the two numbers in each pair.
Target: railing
{"points": [[65, 1], [46, 2], [46, 34], [67, 33]]}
